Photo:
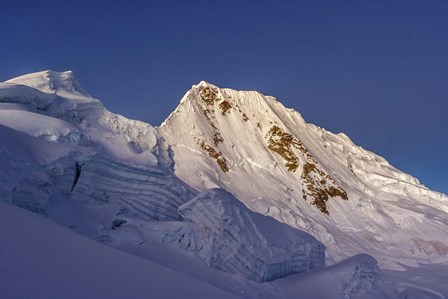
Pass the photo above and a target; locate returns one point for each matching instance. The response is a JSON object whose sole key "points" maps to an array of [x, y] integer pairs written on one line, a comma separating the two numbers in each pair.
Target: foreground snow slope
{"points": [[40, 259], [267, 156]]}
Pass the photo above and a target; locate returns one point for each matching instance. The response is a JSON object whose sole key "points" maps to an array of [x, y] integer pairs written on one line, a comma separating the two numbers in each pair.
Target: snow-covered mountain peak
{"points": [[52, 82], [219, 122], [203, 84], [277, 164]]}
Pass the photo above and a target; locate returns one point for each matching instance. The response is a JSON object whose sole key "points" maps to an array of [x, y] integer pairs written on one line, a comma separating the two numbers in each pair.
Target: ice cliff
{"points": [[230, 237]]}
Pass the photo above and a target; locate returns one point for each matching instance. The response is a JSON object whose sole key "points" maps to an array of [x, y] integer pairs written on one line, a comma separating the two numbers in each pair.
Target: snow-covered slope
{"points": [[267, 156], [40, 259]]}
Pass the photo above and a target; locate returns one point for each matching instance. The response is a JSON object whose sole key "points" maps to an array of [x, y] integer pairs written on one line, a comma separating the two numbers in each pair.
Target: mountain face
{"points": [[277, 164]]}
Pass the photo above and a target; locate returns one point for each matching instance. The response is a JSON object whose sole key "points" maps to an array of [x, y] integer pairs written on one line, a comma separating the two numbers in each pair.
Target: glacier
{"points": [[233, 189], [92, 155]]}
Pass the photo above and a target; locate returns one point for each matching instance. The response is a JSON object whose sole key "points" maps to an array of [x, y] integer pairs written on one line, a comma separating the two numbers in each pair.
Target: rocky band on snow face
{"points": [[315, 183]]}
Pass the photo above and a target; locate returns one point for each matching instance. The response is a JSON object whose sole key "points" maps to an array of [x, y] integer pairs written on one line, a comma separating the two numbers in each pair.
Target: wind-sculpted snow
{"points": [[267, 156], [230, 237]]}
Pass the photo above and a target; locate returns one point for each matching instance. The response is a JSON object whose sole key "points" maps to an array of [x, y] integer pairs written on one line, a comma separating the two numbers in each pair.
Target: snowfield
{"points": [[188, 207]]}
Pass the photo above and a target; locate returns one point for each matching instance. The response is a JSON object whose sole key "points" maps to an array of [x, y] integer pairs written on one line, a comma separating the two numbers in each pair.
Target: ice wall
{"points": [[230, 237]]}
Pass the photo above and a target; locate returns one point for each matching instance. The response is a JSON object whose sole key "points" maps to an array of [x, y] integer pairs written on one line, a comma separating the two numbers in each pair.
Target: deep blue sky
{"points": [[376, 70]]}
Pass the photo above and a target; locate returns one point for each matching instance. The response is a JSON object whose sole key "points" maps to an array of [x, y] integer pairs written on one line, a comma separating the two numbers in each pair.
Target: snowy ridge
{"points": [[232, 238], [267, 156]]}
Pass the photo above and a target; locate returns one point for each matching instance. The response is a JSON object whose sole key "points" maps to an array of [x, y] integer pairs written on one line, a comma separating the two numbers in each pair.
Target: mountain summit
{"points": [[277, 164]]}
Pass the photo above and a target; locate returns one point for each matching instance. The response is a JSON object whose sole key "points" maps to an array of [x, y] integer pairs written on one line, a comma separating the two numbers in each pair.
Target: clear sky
{"points": [[375, 70]]}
